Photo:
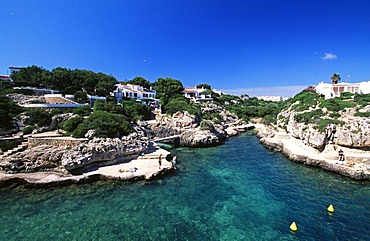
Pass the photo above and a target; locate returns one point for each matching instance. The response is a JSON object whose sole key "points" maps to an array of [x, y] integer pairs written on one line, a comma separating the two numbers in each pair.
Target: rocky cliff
{"points": [[97, 150], [342, 127], [189, 128]]}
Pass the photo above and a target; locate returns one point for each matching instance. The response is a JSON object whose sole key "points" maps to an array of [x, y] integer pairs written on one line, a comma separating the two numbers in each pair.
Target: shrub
{"points": [[111, 107], [346, 95], [306, 100], [334, 115], [71, 124], [181, 104], [136, 110], [323, 123], [38, 116], [83, 110], [336, 104], [80, 131], [362, 114], [8, 145], [105, 125], [269, 119], [309, 117], [206, 125], [363, 99], [28, 129]]}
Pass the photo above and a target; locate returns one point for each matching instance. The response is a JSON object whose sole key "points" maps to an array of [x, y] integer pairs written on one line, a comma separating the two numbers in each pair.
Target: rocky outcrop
{"points": [[105, 150], [55, 121], [225, 116], [187, 126], [356, 173], [353, 132], [173, 125], [22, 99], [39, 158], [203, 137]]}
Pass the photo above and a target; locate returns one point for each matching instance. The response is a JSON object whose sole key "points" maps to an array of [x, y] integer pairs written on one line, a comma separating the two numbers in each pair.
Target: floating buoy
{"points": [[331, 208], [293, 227]]}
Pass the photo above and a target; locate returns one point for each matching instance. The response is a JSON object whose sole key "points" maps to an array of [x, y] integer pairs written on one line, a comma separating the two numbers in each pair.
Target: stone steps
{"points": [[21, 147]]}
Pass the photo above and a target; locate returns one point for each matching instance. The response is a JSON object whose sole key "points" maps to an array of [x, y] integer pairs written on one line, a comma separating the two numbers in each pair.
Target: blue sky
{"points": [[245, 46]]}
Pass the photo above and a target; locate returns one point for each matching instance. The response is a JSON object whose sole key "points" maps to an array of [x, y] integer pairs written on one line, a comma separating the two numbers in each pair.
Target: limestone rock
{"points": [[105, 150], [203, 138], [39, 158]]}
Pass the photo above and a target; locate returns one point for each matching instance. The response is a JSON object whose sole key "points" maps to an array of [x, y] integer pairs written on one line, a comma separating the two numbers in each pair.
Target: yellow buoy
{"points": [[331, 208], [293, 227]]}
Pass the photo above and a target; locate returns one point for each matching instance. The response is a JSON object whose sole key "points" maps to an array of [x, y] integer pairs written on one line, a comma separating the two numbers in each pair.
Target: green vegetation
{"points": [[28, 129], [335, 78], [140, 81], [362, 100], [206, 125], [39, 116], [309, 117], [181, 104], [71, 124], [323, 123], [83, 110], [8, 145], [105, 124], [135, 110], [253, 107], [8, 110], [205, 86], [336, 104], [362, 114], [65, 80], [167, 89], [304, 99]]}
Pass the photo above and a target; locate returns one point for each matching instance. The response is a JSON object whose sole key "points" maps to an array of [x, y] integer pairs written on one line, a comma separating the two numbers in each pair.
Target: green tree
{"points": [[39, 116], [111, 107], [181, 104], [168, 88], [80, 97], [105, 125], [105, 84], [60, 78], [31, 76], [140, 81], [335, 78], [71, 124], [204, 86], [8, 109], [135, 110]]}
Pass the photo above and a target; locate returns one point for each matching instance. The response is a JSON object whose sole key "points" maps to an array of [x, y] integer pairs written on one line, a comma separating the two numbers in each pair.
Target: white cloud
{"points": [[285, 91], [329, 56]]}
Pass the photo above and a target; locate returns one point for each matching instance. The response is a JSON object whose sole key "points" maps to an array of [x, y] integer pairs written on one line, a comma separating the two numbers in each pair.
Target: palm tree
{"points": [[335, 78]]}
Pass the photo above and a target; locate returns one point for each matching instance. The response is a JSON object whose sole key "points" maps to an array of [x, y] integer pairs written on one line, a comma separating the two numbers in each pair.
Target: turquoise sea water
{"points": [[237, 191]]}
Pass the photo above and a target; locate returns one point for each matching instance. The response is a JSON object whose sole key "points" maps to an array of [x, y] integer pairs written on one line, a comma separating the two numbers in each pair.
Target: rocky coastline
{"points": [[59, 161], [356, 165]]}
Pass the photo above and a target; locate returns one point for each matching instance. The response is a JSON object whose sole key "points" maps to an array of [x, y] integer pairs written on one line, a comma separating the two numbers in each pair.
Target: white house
{"points": [[133, 91], [195, 94], [14, 69], [334, 90], [6, 77]]}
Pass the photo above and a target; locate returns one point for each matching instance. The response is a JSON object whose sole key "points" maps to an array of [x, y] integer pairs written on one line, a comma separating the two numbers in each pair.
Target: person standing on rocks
{"points": [[160, 160], [341, 155], [173, 162]]}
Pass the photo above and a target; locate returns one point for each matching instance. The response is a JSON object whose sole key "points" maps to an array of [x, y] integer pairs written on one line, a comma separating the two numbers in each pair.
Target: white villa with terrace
{"points": [[195, 94], [334, 90], [133, 91]]}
